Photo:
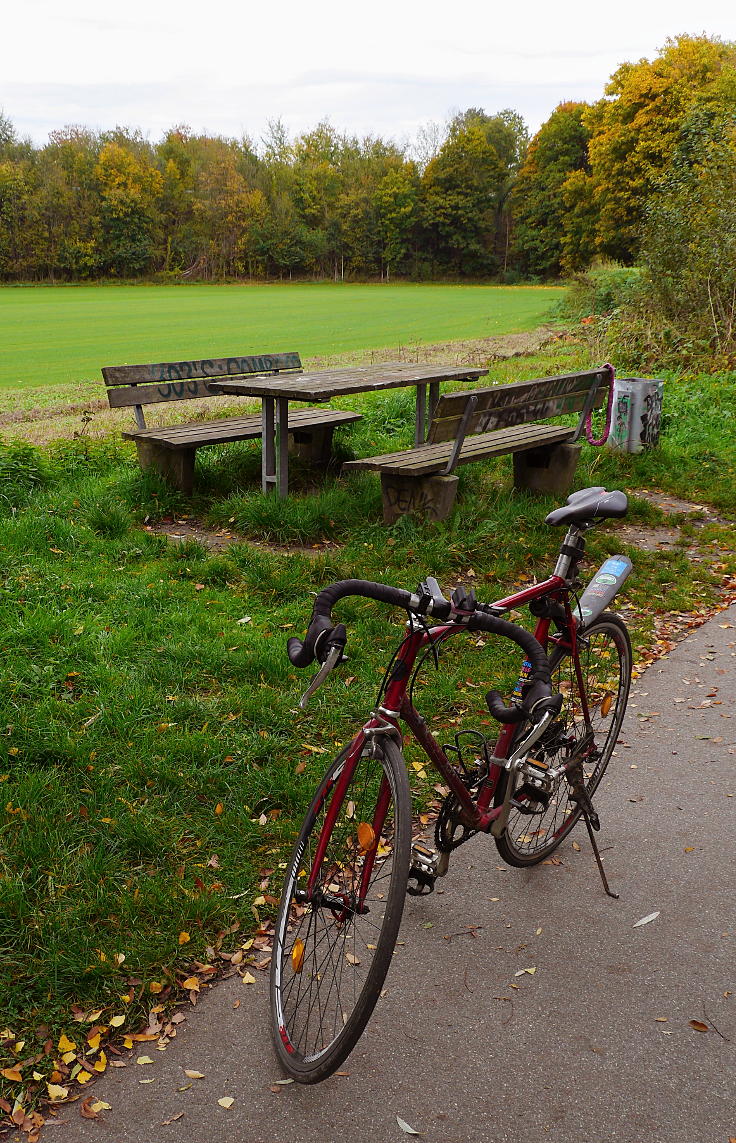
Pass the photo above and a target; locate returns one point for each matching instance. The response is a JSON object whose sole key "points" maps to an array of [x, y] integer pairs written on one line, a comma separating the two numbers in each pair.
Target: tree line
{"points": [[475, 199]]}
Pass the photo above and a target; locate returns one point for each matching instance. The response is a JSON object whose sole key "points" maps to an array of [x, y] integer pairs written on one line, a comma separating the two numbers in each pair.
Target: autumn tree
{"points": [[636, 127]]}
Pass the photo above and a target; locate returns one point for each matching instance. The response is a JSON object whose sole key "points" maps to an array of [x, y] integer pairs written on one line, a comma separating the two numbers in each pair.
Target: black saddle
{"points": [[589, 504]]}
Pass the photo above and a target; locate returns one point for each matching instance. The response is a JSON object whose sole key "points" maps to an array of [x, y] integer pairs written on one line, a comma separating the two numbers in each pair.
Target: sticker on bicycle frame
{"points": [[615, 567], [586, 611], [605, 578]]}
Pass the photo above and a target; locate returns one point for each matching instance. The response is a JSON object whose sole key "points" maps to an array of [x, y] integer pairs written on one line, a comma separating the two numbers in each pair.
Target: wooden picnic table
{"points": [[322, 385]]}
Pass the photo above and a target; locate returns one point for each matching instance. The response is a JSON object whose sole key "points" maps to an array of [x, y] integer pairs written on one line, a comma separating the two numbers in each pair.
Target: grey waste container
{"points": [[637, 411]]}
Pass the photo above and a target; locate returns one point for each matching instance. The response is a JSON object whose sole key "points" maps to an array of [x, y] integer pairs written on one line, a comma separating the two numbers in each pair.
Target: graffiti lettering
{"points": [[415, 499], [651, 417]]}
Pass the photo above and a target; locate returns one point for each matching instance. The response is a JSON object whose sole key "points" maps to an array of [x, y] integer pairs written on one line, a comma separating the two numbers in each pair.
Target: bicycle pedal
{"points": [[423, 870], [535, 802]]}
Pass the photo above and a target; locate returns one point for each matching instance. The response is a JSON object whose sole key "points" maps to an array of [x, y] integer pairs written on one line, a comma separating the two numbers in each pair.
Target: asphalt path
{"points": [[594, 1045]]}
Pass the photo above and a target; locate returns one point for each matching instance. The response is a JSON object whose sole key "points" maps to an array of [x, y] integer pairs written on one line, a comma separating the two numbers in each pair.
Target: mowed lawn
{"points": [[53, 335]]}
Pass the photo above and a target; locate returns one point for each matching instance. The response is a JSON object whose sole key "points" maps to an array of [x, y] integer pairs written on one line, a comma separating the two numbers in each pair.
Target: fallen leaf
{"points": [[84, 1077], [698, 1025], [173, 1119], [193, 1074], [184, 938], [248, 978], [405, 1127], [65, 1044], [116, 1021], [143, 1060], [57, 1092], [191, 983], [227, 1101], [646, 920], [11, 1074]]}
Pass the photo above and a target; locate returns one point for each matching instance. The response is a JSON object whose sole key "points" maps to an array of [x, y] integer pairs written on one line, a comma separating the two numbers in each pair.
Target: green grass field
{"points": [[53, 335]]}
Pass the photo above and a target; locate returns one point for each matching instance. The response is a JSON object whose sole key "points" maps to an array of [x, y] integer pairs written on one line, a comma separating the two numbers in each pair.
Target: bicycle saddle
{"points": [[589, 504]]}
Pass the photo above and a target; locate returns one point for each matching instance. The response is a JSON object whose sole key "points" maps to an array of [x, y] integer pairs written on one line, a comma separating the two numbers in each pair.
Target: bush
{"points": [[601, 290]]}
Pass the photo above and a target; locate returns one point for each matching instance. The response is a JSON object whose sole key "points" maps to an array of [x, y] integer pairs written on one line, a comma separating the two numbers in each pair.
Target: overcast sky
{"points": [[386, 67]]}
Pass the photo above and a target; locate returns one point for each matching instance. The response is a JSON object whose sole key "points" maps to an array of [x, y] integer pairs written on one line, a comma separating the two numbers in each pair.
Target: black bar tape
{"points": [[302, 653]]}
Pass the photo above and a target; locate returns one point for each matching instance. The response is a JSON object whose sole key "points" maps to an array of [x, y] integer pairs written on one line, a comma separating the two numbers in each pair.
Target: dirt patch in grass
{"points": [[183, 528]]}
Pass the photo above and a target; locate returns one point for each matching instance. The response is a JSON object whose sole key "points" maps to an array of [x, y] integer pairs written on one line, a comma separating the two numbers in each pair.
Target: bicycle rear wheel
{"points": [[334, 940], [535, 829]]}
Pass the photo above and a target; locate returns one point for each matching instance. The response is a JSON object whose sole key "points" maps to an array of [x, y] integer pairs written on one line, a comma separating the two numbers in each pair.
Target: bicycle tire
{"points": [[329, 964], [530, 838]]}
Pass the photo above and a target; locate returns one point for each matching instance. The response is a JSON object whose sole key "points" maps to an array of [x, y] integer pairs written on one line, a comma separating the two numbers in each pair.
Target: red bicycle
{"points": [[354, 862]]}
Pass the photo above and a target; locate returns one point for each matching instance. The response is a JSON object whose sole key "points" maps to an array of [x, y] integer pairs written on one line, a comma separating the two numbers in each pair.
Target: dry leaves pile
{"points": [[55, 1077]]}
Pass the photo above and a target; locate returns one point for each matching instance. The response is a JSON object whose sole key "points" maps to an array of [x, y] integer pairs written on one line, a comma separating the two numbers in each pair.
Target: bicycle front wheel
{"points": [[536, 828], [340, 910]]}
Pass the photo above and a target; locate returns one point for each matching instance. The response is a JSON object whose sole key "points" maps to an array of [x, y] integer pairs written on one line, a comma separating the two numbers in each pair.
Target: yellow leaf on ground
{"points": [[100, 1105], [192, 1074], [248, 978], [116, 1021], [94, 1041], [100, 1063], [65, 1044], [226, 1101], [191, 983], [184, 938], [698, 1025], [144, 1060], [83, 1076], [155, 986], [11, 1074], [67, 1057], [56, 1092]]}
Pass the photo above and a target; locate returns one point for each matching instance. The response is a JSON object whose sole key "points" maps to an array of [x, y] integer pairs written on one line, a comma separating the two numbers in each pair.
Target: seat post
{"points": [[572, 550]]}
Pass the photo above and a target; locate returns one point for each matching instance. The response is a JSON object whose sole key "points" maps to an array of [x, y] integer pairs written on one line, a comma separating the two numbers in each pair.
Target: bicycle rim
{"points": [[605, 662], [332, 951]]}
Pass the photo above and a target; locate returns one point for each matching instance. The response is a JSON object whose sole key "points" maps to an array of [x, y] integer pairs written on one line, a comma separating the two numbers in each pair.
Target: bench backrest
{"points": [[518, 403], [138, 385]]}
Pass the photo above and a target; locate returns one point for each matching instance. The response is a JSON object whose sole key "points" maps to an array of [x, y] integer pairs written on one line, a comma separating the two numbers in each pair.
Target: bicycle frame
{"points": [[396, 707]]}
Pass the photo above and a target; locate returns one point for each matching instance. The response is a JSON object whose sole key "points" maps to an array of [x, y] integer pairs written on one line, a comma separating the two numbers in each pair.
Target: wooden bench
{"points": [[170, 450], [473, 425]]}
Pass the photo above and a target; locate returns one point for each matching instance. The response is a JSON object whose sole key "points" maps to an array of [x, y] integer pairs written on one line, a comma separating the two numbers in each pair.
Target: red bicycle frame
{"points": [[396, 707]]}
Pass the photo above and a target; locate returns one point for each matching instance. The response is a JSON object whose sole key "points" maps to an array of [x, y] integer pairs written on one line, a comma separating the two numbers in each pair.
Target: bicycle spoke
{"points": [[534, 829]]}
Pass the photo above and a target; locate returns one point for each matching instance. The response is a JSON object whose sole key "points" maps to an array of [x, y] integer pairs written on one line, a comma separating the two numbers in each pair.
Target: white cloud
{"points": [[229, 67]]}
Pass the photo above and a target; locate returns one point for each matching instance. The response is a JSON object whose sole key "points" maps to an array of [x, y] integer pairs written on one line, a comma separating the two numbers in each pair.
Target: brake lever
{"points": [[335, 656]]}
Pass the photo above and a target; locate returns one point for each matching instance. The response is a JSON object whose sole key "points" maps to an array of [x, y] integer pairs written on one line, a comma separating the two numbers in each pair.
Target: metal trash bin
{"points": [[636, 413]]}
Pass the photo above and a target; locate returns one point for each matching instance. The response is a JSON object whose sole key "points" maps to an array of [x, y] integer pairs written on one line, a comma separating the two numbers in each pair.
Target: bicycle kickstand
{"points": [[592, 822]]}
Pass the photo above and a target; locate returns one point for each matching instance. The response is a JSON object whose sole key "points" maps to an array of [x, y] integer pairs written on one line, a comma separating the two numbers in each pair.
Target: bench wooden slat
{"points": [[196, 434], [522, 401], [220, 367], [430, 458]]}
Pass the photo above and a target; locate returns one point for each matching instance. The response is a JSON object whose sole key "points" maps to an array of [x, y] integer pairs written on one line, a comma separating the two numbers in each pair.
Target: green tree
{"points": [[461, 190], [689, 245], [539, 205]]}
